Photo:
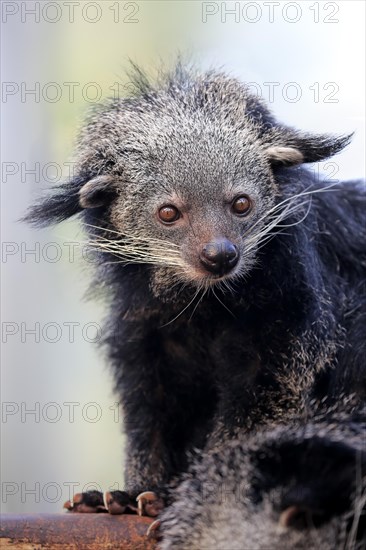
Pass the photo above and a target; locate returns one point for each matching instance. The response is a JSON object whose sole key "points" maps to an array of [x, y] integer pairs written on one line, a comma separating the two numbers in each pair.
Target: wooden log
{"points": [[75, 532]]}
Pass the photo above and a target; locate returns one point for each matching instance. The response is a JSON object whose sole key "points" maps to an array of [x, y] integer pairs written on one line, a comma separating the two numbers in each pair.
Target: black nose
{"points": [[219, 256]]}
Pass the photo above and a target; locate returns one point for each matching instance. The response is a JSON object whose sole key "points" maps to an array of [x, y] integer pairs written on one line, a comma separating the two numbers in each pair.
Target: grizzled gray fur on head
{"points": [[235, 278], [196, 142]]}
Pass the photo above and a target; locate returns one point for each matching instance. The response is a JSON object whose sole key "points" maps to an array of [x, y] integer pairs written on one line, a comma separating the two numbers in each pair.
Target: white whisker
{"points": [[183, 310], [222, 303], [198, 303]]}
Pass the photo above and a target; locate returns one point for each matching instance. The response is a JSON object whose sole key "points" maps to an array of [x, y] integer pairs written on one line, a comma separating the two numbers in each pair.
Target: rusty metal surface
{"points": [[74, 531]]}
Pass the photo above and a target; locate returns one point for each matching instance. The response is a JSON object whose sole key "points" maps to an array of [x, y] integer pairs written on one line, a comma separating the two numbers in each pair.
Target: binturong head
{"points": [[184, 175]]}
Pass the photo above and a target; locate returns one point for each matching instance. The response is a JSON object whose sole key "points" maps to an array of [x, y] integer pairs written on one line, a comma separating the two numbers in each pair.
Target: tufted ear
{"points": [[288, 147], [97, 192], [287, 156], [71, 198]]}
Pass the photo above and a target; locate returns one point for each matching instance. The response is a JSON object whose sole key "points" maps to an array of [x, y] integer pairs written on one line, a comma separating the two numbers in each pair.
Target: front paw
{"points": [[149, 504], [112, 502]]}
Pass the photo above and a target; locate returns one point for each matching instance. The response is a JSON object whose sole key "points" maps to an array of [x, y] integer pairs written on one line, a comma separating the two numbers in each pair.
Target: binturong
{"points": [[235, 275]]}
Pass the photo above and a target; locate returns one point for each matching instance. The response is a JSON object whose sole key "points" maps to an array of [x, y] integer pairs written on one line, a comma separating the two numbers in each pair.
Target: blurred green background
{"points": [[311, 49]]}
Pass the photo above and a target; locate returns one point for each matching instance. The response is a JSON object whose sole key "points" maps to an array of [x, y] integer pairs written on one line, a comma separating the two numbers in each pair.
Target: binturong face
{"points": [[198, 203], [186, 176], [195, 204]]}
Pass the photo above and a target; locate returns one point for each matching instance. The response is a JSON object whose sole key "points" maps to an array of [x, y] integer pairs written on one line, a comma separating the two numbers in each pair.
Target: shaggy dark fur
{"points": [[296, 487], [200, 356]]}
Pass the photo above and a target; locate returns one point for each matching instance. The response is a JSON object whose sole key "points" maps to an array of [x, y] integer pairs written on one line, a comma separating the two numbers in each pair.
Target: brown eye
{"points": [[242, 205], [169, 214]]}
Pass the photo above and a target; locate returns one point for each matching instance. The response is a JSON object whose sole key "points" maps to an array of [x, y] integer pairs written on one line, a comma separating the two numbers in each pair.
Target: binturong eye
{"points": [[169, 214], [241, 205]]}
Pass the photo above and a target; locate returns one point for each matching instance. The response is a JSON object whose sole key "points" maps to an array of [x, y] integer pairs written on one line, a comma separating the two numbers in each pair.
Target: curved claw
{"points": [[149, 504], [153, 532], [294, 515]]}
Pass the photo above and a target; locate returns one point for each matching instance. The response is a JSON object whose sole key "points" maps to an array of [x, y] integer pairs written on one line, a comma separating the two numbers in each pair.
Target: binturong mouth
{"points": [[219, 257]]}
